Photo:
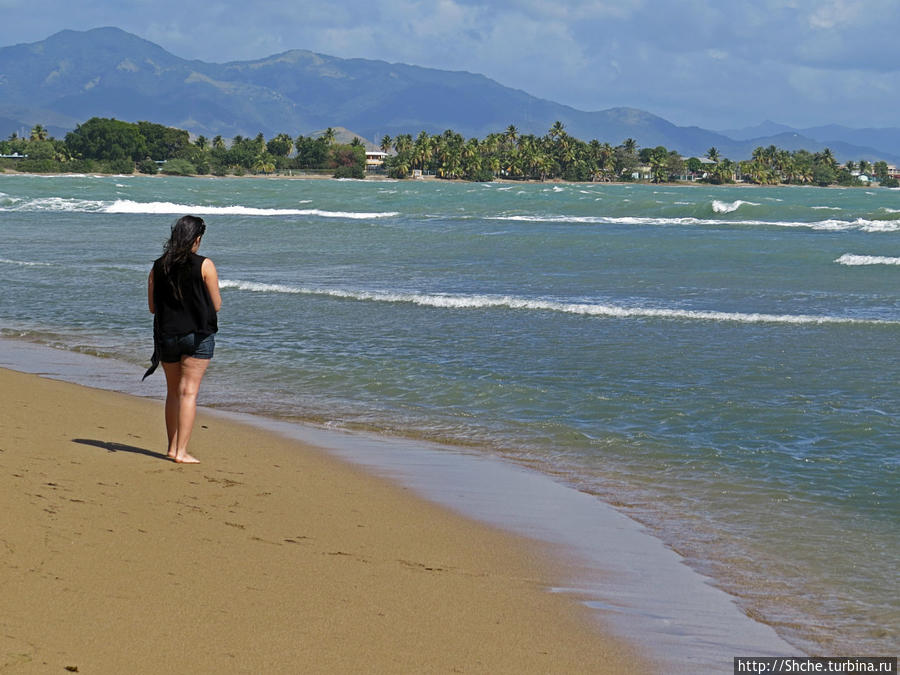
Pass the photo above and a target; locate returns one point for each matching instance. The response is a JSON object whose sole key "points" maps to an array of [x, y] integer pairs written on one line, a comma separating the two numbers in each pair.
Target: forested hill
{"points": [[106, 72]]}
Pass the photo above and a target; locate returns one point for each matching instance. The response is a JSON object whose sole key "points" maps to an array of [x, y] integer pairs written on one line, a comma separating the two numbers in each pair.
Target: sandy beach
{"points": [[270, 556]]}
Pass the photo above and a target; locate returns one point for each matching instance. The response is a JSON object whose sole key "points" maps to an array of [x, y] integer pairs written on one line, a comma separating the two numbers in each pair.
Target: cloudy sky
{"points": [[718, 64]]}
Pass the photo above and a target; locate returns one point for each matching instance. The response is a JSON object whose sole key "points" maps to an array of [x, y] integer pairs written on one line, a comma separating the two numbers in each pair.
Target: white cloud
{"points": [[835, 13]]}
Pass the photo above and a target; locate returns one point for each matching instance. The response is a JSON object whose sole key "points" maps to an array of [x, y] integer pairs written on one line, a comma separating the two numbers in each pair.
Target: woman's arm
{"points": [[211, 279], [150, 293]]}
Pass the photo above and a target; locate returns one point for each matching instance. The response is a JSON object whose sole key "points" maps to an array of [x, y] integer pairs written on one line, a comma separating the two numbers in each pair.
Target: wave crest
{"points": [[730, 207], [831, 225], [476, 301], [171, 208], [128, 206], [855, 260]]}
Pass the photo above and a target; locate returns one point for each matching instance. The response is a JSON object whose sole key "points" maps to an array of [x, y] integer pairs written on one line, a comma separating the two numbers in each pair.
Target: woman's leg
{"points": [[173, 382], [192, 371]]}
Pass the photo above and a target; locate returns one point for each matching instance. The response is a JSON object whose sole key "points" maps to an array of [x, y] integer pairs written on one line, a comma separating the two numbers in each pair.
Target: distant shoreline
{"points": [[387, 179]]}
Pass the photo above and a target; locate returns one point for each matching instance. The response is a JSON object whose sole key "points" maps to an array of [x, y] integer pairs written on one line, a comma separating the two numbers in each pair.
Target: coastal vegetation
{"points": [[113, 146]]}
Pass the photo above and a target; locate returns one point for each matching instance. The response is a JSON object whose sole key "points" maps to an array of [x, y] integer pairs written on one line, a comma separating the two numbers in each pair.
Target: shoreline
{"points": [[505, 181], [116, 559], [638, 589]]}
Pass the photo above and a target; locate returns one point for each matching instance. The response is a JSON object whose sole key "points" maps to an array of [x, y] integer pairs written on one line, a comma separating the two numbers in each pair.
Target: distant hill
{"points": [[886, 140], [106, 72]]}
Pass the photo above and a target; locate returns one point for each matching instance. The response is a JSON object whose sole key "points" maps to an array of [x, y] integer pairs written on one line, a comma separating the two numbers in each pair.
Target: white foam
{"points": [[128, 206], [56, 204], [853, 260], [860, 224], [171, 208], [826, 208], [730, 207], [477, 301]]}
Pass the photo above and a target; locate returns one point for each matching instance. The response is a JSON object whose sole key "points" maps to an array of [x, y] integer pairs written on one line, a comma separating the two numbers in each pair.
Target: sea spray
{"points": [[730, 207]]}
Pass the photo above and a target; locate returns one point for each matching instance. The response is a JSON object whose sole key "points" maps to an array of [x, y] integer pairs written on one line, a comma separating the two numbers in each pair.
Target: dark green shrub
{"points": [[179, 167], [149, 167], [354, 171]]}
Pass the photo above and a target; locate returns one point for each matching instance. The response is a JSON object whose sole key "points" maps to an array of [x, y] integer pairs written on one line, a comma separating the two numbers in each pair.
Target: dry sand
{"points": [[269, 557]]}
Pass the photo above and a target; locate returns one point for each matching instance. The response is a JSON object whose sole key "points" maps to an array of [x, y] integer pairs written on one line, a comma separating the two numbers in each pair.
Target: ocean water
{"points": [[718, 363]]}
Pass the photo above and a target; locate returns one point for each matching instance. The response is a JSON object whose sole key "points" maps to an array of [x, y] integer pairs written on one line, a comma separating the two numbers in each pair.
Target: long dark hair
{"points": [[177, 250]]}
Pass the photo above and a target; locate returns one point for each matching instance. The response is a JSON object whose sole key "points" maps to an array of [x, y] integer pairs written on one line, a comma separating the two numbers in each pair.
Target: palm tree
{"points": [[713, 154], [402, 143], [38, 133], [471, 157], [386, 142], [328, 135], [828, 158], [558, 130], [263, 165], [422, 149], [218, 143], [202, 142]]}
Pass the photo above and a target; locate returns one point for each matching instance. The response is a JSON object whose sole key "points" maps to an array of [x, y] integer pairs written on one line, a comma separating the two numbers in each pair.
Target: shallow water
{"points": [[718, 362]]}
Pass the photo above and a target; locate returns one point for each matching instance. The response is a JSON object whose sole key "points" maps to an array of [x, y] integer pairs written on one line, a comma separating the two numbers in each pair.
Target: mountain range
{"points": [[106, 72]]}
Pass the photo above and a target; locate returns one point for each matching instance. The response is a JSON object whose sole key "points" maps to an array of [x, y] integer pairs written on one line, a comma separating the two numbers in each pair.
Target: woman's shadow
{"points": [[121, 447]]}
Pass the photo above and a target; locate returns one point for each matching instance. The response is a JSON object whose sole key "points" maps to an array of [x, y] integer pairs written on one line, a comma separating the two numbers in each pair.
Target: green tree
{"points": [[107, 139], [264, 164], [41, 150], [823, 174], [312, 153], [694, 165], [163, 142], [348, 160]]}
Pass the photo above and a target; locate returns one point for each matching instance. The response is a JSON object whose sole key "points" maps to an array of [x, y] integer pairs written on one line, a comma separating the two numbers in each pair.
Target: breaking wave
{"points": [[170, 208], [729, 207], [833, 225], [477, 301], [855, 260], [128, 206]]}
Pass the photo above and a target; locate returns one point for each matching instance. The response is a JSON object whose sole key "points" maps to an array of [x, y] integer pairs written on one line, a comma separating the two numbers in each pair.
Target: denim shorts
{"points": [[171, 349]]}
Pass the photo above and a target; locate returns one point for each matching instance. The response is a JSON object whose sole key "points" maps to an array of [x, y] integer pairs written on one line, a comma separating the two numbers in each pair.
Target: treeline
{"points": [[112, 146], [557, 155]]}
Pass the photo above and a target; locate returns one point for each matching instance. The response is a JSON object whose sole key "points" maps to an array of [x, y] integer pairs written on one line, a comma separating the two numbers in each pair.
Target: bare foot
{"points": [[186, 459], [171, 454]]}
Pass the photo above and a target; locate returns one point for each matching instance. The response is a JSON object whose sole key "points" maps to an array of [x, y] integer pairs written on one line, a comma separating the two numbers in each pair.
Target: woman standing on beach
{"points": [[183, 294]]}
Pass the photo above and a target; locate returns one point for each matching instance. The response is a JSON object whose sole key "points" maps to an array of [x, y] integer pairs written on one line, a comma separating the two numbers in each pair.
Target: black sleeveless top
{"points": [[193, 312]]}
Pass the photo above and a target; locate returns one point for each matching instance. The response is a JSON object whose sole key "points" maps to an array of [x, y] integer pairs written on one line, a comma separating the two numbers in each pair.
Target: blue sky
{"points": [[718, 64]]}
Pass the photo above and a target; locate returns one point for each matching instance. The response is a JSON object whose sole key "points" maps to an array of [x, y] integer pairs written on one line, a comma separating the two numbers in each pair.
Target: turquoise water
{"points": [[719, 363]]}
